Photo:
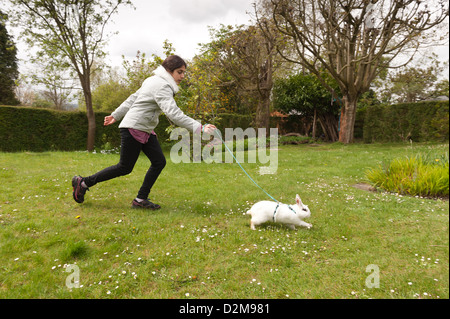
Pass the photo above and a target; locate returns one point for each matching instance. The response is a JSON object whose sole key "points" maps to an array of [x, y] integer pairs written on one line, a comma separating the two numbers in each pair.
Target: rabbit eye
{"points": [[304, 209]]}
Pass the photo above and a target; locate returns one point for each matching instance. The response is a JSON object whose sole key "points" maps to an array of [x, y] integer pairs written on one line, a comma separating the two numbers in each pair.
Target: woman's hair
{"points": [[173, 62]]}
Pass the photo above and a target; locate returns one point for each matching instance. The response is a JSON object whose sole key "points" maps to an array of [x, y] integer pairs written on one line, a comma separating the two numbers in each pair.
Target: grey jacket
{"points": [[156, 95]]}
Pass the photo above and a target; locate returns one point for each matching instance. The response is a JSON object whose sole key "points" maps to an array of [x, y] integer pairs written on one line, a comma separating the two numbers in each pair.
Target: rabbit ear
{"points": [[299, 201]]}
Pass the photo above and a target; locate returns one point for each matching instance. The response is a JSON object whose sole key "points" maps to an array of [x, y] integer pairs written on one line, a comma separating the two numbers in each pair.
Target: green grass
{"points": [[417, 176], [199, 245]]}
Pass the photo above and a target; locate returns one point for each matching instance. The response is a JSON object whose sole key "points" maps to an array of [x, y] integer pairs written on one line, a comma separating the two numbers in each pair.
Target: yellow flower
{"points": [[78, 217]]}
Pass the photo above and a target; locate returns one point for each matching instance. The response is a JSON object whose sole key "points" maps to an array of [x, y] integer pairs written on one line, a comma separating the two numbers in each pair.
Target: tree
{"points": [[304, 94], [24, 91], [203, 93], [442, 88], [54, 76], [109, 95], [73, 31], [248, 56], [413, 83], [8, 65], [354, 39], [110, 88]]}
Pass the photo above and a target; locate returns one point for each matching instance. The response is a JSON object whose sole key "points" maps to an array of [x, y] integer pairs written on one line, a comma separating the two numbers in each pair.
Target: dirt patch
{"points": [[370, 188], [365, 187]]}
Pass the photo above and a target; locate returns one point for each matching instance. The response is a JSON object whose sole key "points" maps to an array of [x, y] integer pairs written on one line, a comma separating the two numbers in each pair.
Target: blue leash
{"points": [[244, 169], [278, 203]]}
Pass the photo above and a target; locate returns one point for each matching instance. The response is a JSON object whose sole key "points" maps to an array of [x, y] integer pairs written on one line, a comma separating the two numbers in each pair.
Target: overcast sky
{"points": [[183, 22]]}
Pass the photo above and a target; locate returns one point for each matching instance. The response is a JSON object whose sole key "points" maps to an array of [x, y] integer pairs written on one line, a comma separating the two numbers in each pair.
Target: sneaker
{"points": [[145, 204], [78, 190]]}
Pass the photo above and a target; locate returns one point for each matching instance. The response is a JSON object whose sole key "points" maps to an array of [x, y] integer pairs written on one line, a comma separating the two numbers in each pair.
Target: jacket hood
{"points": [[162, 73]]}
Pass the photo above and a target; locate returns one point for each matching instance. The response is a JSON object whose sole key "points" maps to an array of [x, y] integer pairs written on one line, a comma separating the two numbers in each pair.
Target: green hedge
{"points": [[424, 121], [38, 130]]}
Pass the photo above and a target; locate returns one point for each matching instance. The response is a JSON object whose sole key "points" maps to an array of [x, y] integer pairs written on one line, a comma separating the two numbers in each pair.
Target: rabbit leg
{"points": [[304, 224]]}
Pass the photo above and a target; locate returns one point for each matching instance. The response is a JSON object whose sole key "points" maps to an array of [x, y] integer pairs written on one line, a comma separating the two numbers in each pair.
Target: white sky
{"points": [[184, 23]]}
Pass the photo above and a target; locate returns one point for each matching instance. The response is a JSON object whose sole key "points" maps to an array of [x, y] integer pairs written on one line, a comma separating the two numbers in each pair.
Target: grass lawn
{"points": [[200, 245]]}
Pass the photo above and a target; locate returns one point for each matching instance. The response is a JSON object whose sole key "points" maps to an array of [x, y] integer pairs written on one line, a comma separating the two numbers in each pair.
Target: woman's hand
{"points": [[209, 129], [109, 120]]}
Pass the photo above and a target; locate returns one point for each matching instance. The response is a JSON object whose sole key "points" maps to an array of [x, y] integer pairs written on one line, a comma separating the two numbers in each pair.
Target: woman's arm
{"points": [[120, 112], [164, 99]]}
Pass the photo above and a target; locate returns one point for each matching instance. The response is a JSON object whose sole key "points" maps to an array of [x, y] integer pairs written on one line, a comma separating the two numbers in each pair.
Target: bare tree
{"points": [[56, 79], [24, 91], [354, 39]]}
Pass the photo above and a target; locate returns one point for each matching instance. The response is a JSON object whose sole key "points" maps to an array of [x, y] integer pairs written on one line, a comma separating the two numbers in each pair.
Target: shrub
{"points": [[422, 175]]}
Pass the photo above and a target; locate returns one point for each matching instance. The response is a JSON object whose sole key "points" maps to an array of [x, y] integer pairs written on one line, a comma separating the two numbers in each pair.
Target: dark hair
{"points": [[173, 62]]}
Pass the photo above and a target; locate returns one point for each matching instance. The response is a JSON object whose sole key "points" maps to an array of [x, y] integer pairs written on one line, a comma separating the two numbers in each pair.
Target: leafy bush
{"points": [[295, 140], [422, 175]]}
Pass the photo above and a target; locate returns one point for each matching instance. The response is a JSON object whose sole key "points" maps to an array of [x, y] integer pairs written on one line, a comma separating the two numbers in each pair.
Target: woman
{"points": [[139, 115]]}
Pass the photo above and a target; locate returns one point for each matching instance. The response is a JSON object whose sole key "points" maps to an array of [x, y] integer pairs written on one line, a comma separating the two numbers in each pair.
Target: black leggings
{"points": [[129, 154]]}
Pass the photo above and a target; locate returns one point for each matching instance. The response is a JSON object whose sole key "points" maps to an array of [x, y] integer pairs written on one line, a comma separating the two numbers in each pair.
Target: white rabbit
{"points": [[291, 215]]}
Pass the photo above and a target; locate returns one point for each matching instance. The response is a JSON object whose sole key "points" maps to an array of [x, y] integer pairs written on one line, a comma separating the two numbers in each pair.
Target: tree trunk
{"points": [[262, 119], [314, 124], [348, 116], [265, 85], [329, 125], [91, 124], [89, 112]]}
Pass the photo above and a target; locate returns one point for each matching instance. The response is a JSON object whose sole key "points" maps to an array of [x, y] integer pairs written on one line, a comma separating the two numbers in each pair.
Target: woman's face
{"points": [[178, 74]]}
